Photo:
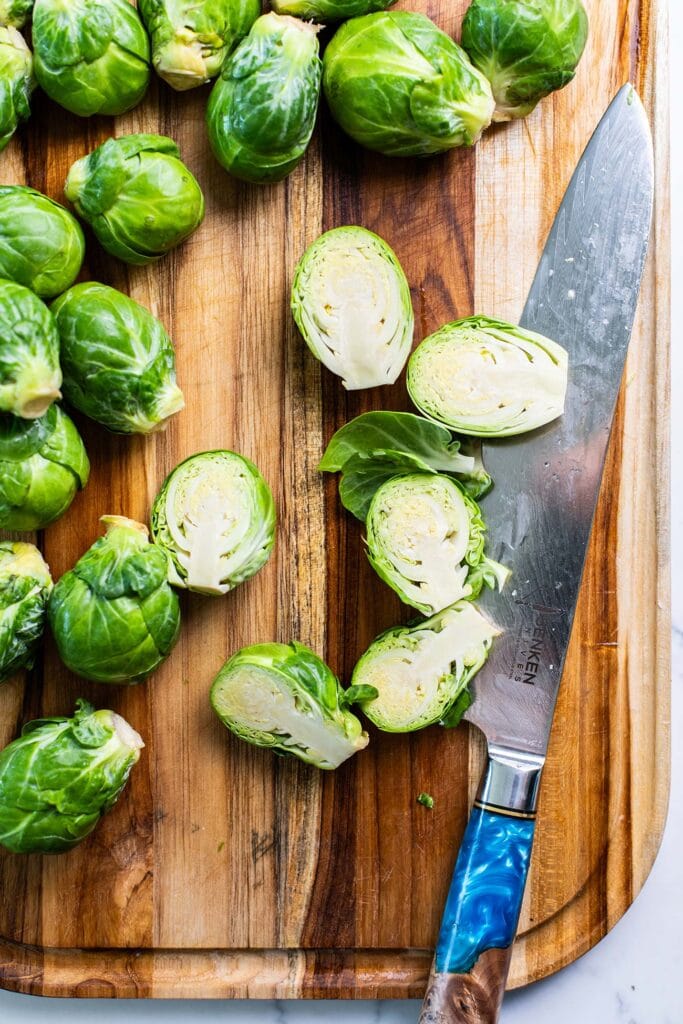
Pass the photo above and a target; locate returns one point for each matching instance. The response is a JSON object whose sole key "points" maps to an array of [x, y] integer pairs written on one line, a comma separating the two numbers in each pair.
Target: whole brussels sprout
{"points": [[25, 584], [41, 244], [285, 698], [16, 83], [114, 616], [351, 302], [190, 41], [42, 465], [397, 84], [261, 111], [30, 376], [61, 775], [137, 196], [526, 48], [421, 672], [91, 56], [425, 539], [215, 517], [15, 12], [329, 10], [118, 362], [488, 378]]}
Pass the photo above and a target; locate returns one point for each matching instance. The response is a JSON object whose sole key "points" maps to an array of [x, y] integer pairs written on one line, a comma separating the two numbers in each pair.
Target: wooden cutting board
{"points": [[224, 871]]}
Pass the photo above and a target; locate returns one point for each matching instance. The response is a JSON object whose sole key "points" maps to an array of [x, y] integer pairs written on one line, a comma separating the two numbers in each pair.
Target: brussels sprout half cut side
{"points": [[61, 775], [25, 585], [526, 48], [488, 378], [215, 517], [351, 302], [399, 85], [421, 671], [16, 82], [41, 243], [425, 539], [284, 697], [114, 616]]}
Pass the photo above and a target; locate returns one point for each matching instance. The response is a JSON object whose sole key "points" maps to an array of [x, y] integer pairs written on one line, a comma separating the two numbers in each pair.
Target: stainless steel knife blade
{"points": [[540, 511]]}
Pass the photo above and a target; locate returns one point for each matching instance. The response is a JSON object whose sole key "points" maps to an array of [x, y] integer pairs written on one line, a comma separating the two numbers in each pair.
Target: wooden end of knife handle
{"points": [[472, 998]]}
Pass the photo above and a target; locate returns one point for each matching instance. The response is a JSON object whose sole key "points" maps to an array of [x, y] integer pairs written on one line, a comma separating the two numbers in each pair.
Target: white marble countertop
{"points": [[633, 975]]}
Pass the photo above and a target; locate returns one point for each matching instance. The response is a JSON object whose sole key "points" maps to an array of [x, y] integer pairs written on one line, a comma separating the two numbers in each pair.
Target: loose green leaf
{"points": [[426, 800]]}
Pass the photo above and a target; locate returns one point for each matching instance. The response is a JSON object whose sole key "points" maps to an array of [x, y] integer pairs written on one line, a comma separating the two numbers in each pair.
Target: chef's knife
{"points": [[539, 517]]}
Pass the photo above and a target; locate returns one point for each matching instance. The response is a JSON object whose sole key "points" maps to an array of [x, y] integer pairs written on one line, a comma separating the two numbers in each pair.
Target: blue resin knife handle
{"points": [[474, 947]]}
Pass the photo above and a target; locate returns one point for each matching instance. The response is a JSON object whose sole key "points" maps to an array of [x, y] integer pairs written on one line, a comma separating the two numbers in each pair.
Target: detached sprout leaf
{"points": [[488, 378], [329, 10], [117, 359], [137, 195], [526, 48], [41, 243], [114, 616], [351, 302], [91, 56], [397, 84], [60, 776], [191, 40], [30, 376], [25, 584], [425, 539], [16, 82], [421, 671], [43, 463], [261, 111], [284, 697], [215, 517]]}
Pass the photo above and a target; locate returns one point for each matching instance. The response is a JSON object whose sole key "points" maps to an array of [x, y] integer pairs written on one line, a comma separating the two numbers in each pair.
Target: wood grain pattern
{"points": [[224, 871]]}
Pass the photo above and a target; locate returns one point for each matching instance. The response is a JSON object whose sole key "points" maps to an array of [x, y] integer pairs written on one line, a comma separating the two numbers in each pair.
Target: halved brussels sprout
{"points": [[526, 48], [488, 378], [329, 10], [284, 697], [41, 244], [191, 40], [114, 615], [25, 584], [421, 672], [42, 465], [398, 84], [137, 195], [61, 775], [117, 359], [351, 302], [426, 540], [30, 376], [16, 83], [262, 109], [15, 12], [91, 56], [215, 517]]}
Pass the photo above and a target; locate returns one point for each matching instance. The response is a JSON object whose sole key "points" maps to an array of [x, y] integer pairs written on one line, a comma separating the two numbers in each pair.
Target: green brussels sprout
{"points": [[526, 48], [41, 244], [191, 40], [42, 465], [114, 616], [215, 517], [425, 539], [397, 84], [30, 376], [25, 584], [15, 13], [118, 362], [421, 672], [16, 83], [61, 775], [329, 10], [137, 196], [91, 56], [261, 111], [284, 697], [351, 302], [488, 378]]}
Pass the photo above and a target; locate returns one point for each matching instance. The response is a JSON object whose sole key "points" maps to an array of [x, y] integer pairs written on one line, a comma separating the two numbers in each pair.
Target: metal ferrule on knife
{"points": [[510, 783]]}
